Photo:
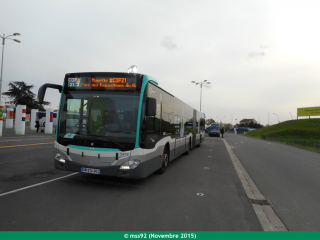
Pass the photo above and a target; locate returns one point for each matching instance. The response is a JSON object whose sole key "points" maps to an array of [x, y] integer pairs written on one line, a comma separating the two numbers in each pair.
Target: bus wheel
{"points": [[188, 148], [165, 161]]}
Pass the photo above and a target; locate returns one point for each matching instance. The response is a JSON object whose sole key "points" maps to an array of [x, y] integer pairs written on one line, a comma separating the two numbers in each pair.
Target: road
{"points": [[159, 202], [198, 192], [287, 175]]}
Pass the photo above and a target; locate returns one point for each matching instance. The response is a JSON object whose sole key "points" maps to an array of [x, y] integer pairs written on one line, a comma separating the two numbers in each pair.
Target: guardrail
{"points": [[304, 143]]}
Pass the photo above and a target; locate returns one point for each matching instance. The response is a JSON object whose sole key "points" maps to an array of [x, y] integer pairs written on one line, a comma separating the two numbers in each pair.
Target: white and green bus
{"points": [[127, 126]]}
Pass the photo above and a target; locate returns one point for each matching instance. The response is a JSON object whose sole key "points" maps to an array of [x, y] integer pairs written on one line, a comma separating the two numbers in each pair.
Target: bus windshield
{"points": [[99, 119]]}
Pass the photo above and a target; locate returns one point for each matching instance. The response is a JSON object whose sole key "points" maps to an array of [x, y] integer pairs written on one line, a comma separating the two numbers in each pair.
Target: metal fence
{"points": [[304, 143]]}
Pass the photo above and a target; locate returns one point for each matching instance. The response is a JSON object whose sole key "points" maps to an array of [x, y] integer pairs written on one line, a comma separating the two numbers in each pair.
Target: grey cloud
{"points": [[256, 54], [169, 43]]}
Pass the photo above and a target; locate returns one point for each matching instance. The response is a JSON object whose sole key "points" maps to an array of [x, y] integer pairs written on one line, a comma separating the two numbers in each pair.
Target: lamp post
{"points": [[204, 82], [3, 42], [277, 116], [219, 118], [291, 116]]}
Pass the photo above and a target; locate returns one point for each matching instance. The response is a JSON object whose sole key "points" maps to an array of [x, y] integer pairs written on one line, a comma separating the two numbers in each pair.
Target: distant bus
{"points": [[242, 130], [42, 118], [214, 130]]}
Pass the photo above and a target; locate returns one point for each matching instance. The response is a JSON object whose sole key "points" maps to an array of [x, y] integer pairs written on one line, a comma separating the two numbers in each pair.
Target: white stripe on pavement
{"points": [[20, 189]]}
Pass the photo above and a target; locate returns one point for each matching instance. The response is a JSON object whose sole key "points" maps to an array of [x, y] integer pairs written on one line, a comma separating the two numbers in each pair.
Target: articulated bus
{"points": [[127, 126]]}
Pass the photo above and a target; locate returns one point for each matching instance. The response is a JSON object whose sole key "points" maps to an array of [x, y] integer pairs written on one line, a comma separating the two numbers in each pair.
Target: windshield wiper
{"points": [[111, 140]]}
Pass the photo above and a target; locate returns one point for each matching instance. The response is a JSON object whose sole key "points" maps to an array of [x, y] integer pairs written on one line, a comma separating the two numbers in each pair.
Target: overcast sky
{"points": [[261, 56]]}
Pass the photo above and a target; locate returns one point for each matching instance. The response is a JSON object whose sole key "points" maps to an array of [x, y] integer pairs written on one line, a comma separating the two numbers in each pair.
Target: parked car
{"points": [[207, 129]]}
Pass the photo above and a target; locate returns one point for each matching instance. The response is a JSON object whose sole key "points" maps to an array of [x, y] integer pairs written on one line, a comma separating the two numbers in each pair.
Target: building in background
{"points": [[248, 121]]}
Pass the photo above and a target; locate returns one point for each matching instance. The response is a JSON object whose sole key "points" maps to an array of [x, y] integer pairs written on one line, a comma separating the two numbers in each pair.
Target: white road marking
{"points": [[266, 215], [20, 189]]}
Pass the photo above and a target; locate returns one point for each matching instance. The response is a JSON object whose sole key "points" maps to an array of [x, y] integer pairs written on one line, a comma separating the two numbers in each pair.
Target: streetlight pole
{"points": [[204, 82], [3, 42], [291, 116], [277, 116], [219, 118]]}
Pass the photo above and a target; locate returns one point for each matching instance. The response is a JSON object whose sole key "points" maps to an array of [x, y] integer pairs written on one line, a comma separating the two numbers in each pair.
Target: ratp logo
{"points": [[151, 91]]}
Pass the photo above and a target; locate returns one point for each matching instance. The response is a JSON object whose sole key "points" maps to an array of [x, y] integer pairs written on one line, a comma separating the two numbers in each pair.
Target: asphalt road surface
{"points": [[198, 192], [287, 175]]}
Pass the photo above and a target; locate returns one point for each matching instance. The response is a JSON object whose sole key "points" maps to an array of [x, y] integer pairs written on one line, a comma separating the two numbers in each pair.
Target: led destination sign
{"points": [[102, 83]]}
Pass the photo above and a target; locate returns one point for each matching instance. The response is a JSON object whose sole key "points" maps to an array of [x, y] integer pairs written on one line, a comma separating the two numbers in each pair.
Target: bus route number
{"points": [[74, 82]]}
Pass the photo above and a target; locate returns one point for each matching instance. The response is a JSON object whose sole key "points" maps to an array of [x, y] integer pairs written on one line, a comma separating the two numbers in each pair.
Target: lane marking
{"points": [[26, 145], [20, 189], [266, 215]]}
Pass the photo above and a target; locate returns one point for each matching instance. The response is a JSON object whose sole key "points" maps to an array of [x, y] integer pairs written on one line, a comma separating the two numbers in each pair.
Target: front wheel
{"points": [[165, 161]]}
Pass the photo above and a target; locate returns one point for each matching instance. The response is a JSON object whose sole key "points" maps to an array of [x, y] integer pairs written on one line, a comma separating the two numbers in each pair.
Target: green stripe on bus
{"points": [[145, 81], [95, 149]]}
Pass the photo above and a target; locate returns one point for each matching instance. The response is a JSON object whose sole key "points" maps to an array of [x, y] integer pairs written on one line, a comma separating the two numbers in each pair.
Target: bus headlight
{"points": [[59, 158], [132, 164]]}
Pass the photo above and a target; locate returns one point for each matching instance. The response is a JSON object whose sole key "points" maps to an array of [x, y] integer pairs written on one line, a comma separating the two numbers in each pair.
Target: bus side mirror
{"points": [[151, 106], [43, 88]]}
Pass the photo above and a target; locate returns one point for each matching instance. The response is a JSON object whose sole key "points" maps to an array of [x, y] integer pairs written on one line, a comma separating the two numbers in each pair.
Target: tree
{"points": [[20, 94], [251, 125], [209, 121]]}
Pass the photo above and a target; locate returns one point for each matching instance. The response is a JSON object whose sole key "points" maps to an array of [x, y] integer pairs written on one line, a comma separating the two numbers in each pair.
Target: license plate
{"points": [[90, 170]]}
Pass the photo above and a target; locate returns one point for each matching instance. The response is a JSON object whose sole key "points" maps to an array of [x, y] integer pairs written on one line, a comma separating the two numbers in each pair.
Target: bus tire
{"points": [[165, 161], [188, 148]]}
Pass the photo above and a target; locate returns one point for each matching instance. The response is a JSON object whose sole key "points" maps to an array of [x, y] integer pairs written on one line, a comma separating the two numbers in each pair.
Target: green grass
{"points": [[303, 133], [301, 129]]}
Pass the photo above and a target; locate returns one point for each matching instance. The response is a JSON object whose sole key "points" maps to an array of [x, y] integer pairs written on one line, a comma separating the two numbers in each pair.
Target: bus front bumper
{"points": [[112, 171]]}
